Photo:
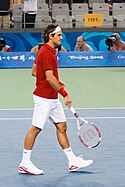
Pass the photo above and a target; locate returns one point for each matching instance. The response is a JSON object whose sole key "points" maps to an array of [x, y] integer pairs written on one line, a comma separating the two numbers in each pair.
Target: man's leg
{"points": [[38, 121], [75, 162], [30, 137], [6, 22], [61, 135], [1, 21], [26, 166]]}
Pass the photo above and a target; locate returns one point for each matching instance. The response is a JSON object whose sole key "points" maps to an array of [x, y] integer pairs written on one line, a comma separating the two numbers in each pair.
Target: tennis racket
{"points": [[88, 133]]}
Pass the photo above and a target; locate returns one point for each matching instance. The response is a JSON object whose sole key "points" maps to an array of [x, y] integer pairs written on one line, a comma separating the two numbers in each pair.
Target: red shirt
{"points": [[46, 59], [9, 49], [6, 49]]}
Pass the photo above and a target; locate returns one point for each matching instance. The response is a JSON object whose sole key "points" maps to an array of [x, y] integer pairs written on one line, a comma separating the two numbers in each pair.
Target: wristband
{"points": [[63, 92]]}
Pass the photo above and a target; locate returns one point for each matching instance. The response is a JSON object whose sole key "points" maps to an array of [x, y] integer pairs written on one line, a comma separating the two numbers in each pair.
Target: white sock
{"points": [[26, 156], [69, 154]]}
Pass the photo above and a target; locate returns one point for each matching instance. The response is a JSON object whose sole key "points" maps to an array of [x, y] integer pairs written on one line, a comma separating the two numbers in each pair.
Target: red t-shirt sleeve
{"points": [[9, 49], [36, 57], [35, 61], [46, 61]]}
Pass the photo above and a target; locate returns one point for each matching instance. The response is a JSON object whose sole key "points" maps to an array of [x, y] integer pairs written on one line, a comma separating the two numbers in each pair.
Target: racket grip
{"points": [[73, 110]]}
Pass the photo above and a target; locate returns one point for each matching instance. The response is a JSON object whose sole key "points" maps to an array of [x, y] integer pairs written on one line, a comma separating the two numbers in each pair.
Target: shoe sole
{"points": [[24, 171], [75, 168]]}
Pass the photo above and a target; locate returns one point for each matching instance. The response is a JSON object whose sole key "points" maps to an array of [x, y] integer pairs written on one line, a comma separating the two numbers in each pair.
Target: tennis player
{"points": [[47, 105]]}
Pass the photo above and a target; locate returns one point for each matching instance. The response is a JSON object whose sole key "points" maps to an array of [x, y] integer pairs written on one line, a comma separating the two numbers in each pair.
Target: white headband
{"points": [[57, 29]]}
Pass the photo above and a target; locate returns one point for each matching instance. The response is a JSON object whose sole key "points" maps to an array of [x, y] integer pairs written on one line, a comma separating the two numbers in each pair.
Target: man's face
{"points": [[80, 42], [57, 38], [117, 39]]}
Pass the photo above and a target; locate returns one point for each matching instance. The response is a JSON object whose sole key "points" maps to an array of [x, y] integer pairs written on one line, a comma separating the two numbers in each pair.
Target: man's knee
{"points": [[61, 127], [35, 130]]}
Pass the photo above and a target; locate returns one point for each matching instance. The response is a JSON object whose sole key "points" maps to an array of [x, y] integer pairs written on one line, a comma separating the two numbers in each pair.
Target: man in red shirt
{"points": [[47, 105]]}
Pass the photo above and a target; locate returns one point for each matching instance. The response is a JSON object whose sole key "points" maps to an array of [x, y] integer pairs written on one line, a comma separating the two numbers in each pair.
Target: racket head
{"points": [[89, 135]]}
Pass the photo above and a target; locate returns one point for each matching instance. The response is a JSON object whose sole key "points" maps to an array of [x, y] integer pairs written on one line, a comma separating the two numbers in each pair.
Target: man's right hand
{"points": [[67, 101]]}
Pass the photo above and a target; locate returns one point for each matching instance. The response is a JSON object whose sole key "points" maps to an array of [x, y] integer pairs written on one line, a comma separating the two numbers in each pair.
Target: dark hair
{"points": [[2, 43], [50, 28], [40, 45]]}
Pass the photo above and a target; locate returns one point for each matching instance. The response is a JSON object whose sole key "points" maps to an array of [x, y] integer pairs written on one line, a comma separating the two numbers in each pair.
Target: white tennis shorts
{"points": [[47, 109]]}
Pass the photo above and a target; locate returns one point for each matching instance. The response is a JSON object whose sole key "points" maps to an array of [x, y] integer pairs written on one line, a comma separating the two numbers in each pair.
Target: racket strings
{"points": [[88, 133]]}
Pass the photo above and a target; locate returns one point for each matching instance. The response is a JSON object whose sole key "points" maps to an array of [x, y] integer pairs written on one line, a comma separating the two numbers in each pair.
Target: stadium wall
{"points": [[24, 41]]}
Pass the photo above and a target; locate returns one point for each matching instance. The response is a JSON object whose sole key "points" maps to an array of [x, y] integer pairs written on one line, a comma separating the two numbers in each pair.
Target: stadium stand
{"points": [[17, 15], [64, 20], [60, 9], [101, 8]]}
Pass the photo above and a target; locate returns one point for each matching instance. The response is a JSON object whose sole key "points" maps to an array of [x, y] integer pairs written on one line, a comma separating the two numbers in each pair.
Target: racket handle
{"points": [[73, 111]]}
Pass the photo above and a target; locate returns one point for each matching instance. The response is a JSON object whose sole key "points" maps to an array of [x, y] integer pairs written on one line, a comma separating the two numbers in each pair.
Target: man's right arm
{"points": [[58, 87], [34, 70]]}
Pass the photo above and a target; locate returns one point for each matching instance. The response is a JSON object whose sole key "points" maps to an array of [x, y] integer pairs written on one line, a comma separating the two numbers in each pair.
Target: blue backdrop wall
{"points": [[66, 59], [25, 41]]}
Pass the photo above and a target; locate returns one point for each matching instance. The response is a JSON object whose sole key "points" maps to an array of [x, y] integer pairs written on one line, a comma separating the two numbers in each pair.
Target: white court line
{"points": [[30, 109], [69, 118], [12, 119]]}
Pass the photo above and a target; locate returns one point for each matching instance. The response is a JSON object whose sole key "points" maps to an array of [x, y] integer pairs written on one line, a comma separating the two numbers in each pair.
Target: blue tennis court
{"points": [[108, 169]]}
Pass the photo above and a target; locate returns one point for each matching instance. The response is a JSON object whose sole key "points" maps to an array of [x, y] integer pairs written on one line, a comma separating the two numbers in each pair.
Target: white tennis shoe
{"points": [[79, 163], [29, 168]]}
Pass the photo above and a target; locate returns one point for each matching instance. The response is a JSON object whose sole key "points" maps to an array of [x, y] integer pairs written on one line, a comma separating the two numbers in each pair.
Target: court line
{"points": [[111, 108], [69, 118]]}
